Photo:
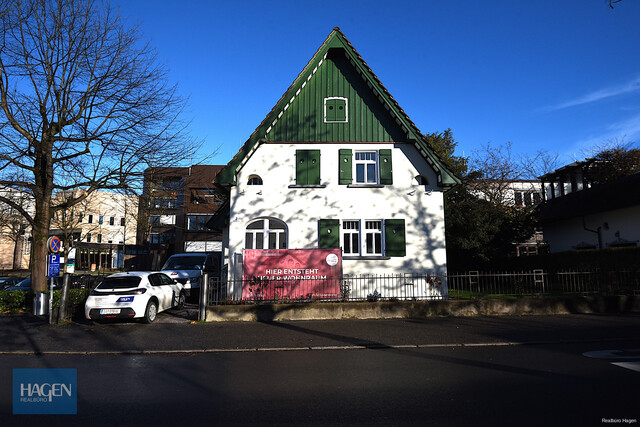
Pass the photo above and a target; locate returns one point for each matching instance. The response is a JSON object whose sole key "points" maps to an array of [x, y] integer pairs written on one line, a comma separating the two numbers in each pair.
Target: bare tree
{"points": [[13, 226], [497, 168], [83, 105], [612, 2], [541, 163]]}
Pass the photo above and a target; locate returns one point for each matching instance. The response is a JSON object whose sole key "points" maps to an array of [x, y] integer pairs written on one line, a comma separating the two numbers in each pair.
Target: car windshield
{"points": [[186, 262], [119, 282]]}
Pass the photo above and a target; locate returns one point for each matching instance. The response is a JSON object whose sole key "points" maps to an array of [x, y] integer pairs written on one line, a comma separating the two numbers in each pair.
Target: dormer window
{"points": [[254, 180], [335, 110]]}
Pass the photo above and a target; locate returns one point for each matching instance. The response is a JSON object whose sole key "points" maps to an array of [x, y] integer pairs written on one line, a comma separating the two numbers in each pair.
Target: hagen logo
{"points": [[45, 391]]}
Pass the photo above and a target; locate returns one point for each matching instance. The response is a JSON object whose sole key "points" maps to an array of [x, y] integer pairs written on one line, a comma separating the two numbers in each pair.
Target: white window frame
{"points": [[370, 232], [348, 229], [346, 109], [265, 232], [365, 163]]}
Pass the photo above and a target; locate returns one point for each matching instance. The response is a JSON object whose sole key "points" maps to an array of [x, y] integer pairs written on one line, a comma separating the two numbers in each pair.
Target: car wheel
{"points": [[150, 312], [181, 301]]}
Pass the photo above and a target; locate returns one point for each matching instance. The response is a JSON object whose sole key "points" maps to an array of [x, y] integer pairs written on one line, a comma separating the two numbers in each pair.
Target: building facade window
{"points": [[90, 219], [159, 238], [336, 110], [373, 237], [357, 240], [112, 221], [366, 167], [122, 222], [372, 167], [254, 180], [89, 236], [165, 202], [351, 237], [101, 219], [197, 222], [370, 237], [266, 234]]}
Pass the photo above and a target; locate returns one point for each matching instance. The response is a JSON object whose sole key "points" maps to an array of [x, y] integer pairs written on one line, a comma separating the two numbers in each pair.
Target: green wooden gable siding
{"points": [[337, 70], [367, 120]]}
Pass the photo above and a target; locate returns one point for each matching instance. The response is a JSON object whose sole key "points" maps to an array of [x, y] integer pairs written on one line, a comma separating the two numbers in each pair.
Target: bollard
{"points": [[64, 296], [40, 303], [204, 300]]}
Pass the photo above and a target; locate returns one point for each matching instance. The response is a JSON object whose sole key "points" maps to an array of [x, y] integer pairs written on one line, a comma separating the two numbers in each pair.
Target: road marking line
{"points": [[634, 366], [370, 346]]}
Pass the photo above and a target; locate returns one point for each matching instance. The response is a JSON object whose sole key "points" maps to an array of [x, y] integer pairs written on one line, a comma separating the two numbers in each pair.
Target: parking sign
{"points": [[54, 265]]}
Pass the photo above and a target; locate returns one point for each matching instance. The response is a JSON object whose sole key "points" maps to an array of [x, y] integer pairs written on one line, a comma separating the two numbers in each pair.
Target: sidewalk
{"points": [[26, 334]]}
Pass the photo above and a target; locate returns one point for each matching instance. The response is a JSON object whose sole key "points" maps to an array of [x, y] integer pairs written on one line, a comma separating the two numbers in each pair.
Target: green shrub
{"points": [[14, 301]]}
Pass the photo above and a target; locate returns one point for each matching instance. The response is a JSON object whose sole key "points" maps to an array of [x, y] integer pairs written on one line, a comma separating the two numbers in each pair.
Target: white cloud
{"points": [[631, 86], [624, 131]]}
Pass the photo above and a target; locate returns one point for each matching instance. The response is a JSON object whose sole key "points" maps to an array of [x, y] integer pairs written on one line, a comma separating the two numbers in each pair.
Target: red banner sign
{"points": [[275, 274]]}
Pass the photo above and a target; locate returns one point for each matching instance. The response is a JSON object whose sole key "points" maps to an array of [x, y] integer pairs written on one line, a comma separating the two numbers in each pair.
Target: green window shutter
{"points": [[394, 238], [331, 108], [335, 110], [307, 167], [328, 233], [345, 165], [386, 170]]}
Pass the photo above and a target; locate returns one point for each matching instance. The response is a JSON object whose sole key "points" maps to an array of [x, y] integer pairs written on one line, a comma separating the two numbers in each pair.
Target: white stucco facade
{"points": [[337, 164], [300, 208]]}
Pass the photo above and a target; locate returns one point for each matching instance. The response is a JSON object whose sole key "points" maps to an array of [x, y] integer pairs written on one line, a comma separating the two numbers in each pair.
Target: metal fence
{"points": [[392, 287], [346, 288], [539, 282], [79, 288]]}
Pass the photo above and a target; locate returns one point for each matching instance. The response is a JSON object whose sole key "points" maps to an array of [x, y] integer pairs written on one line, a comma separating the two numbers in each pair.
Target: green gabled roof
{"points": [[273, 129]]}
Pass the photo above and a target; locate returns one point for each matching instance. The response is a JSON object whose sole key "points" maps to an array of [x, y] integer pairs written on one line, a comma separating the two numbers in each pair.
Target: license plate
{"points": [[110, 311]]}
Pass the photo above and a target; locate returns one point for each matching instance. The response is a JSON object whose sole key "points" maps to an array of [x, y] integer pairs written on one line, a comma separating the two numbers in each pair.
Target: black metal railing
{"points": [[429, 286]]}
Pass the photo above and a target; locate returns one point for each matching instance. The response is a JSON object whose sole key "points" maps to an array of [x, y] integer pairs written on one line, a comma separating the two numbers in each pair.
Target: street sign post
{"points": [[54, 265]]}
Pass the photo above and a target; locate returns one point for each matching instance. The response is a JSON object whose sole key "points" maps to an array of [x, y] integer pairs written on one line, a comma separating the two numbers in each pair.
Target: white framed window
{"points": [[373, 237], [336, 109], [266, 233], [362, 237], [350, 237], [366, 163]]}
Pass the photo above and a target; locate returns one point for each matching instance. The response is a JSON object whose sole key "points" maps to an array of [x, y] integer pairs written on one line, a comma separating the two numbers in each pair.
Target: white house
{"points": [[338, 164], [577, 215]]}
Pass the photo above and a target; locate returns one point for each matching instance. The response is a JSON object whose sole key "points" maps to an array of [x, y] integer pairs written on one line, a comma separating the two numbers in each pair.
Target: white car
{"points": [[134, 295]]}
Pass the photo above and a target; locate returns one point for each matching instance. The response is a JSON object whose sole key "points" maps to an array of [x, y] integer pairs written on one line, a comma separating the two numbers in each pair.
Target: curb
{"points": [[303, 348], [423, 309]]}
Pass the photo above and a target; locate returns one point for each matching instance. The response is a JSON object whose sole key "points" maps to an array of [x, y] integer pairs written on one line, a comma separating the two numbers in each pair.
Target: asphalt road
{"points": [[529, 370], [511, 385]]}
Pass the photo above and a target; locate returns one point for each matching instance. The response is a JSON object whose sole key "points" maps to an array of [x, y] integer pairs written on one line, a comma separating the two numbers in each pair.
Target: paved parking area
{"points": [[187, 314]]}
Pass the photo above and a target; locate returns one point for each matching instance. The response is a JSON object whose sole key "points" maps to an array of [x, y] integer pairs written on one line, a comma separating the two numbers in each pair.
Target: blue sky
{"points": [[561, 76]]}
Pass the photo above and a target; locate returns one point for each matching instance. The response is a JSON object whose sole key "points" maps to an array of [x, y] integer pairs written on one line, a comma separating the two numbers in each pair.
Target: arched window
{"points": [[254, 180], [266, 233], [420, 180]]}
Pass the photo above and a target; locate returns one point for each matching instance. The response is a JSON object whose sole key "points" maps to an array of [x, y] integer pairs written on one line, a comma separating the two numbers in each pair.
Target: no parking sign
{"points": [[54, 244]]}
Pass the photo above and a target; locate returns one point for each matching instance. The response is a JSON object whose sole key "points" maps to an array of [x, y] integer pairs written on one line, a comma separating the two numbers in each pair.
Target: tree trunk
{"points": [[17, 248], [43, 191], [39, 250]]}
